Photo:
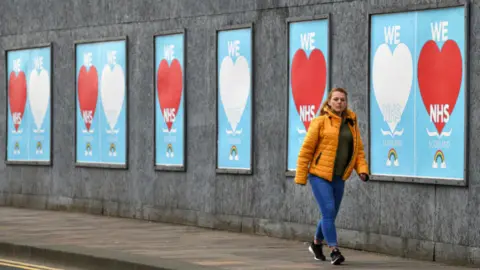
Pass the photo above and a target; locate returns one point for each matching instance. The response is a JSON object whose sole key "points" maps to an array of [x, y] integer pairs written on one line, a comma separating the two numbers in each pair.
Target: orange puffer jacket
{"points": [[319, 149]]}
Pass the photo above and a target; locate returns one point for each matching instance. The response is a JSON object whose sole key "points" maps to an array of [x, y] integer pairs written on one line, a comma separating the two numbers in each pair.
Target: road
{"points": [[9, 264]]}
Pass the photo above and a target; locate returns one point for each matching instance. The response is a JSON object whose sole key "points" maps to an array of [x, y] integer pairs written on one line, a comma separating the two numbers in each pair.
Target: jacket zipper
{"points": [[353, 153], [318, 158], [336, 153]]}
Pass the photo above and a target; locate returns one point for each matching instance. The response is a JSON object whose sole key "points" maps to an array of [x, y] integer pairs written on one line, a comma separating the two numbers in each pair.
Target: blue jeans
{"points": [[329, 196]]}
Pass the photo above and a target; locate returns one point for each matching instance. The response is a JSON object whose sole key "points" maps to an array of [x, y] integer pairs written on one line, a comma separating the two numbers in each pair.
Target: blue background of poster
{"points": [[320, 28], [243, 140], [28, 139], [404, 144], [453, 146], [163, 139], [418, 163], [100, 139]]}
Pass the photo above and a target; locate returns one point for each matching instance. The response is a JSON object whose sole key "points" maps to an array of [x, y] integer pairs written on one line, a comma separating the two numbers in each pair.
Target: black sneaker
{"points": [[337, 257], [317, 252]]}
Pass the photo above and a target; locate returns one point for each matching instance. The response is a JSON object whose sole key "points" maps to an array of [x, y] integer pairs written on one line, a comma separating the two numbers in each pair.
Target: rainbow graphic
{"points": [[439, 154], [16, 148], [113, 150], [39, 149], [233, 153], [392, 153], [169, 151], [88, 149]]}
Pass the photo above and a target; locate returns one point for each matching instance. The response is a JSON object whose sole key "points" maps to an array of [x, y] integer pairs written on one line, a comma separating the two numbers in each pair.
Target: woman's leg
{"points": [[319, 234], [316, 247], [324, 194], [338, 186], [313, 180]]}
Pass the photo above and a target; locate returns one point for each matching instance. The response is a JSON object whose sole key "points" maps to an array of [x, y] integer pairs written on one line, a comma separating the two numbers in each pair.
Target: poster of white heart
{"points": [[169, 101], [234, 104], [101, 103], [308, 80], [417, 94], [29, 98]]}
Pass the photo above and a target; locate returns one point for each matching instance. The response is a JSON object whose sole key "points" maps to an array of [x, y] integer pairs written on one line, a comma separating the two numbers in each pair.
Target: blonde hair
{"points": [[330, 94]]}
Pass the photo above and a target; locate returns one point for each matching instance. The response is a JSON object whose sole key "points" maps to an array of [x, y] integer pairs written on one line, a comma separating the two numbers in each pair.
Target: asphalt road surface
{"points": [[13, 268], [7, 264]]}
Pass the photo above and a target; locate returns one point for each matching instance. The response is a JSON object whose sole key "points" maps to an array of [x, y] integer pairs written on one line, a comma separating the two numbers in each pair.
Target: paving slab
{"points": [[167, 246]]}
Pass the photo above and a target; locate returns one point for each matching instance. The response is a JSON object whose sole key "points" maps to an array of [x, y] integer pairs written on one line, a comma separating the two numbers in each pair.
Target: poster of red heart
{"points": [[29, 105], [417, 107], [169, 102], [101, 103], [308, 73]]}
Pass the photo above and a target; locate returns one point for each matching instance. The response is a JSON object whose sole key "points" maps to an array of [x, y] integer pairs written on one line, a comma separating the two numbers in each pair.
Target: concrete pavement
{"points": [[167, 246]]}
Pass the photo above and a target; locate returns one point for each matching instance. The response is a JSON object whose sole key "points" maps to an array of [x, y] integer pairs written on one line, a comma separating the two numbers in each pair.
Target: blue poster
{"points": [[234, 54], [417, 74], [440, 115], [308, 80], [169, 100], [392, 96], [29, 102], [101, 103]]}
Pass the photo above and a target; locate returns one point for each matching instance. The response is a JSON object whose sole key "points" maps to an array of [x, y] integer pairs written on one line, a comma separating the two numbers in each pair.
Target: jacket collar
{"points": [[349, 114]]}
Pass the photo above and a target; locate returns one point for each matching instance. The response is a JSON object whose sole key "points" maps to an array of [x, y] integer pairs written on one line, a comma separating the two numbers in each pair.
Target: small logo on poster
{"points": [[112, 151], [233, 153], [88, 149], [16, 148], [39, 149], [169, 153], [392, 153], [439, 155]]}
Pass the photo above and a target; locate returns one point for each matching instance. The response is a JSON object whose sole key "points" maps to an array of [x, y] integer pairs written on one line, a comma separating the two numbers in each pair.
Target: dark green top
{"points": [[344, 150]]}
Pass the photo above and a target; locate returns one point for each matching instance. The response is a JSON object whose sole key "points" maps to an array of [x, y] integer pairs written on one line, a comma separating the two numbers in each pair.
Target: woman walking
{"points": [[331, 150]]}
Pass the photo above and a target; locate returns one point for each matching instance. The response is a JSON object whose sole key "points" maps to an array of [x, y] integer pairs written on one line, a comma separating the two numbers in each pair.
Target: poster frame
{"points": [[250, 170], [48, 163], [416, 179], [127, 98], [171, 168]]}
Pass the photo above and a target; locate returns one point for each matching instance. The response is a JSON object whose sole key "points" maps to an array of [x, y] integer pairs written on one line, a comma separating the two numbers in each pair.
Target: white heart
{"points": [[39, 95], [112, 91], [234, 88], [392, 81]]}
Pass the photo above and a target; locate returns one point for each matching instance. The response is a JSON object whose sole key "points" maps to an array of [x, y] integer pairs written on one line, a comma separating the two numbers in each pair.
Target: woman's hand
{"points": [[364, 177]]}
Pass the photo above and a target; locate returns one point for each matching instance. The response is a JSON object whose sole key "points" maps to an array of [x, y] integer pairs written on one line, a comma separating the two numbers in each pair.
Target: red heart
{"points": [[440, 77], [309, 78], [88, 93], [17, 95], [169, 89]]}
